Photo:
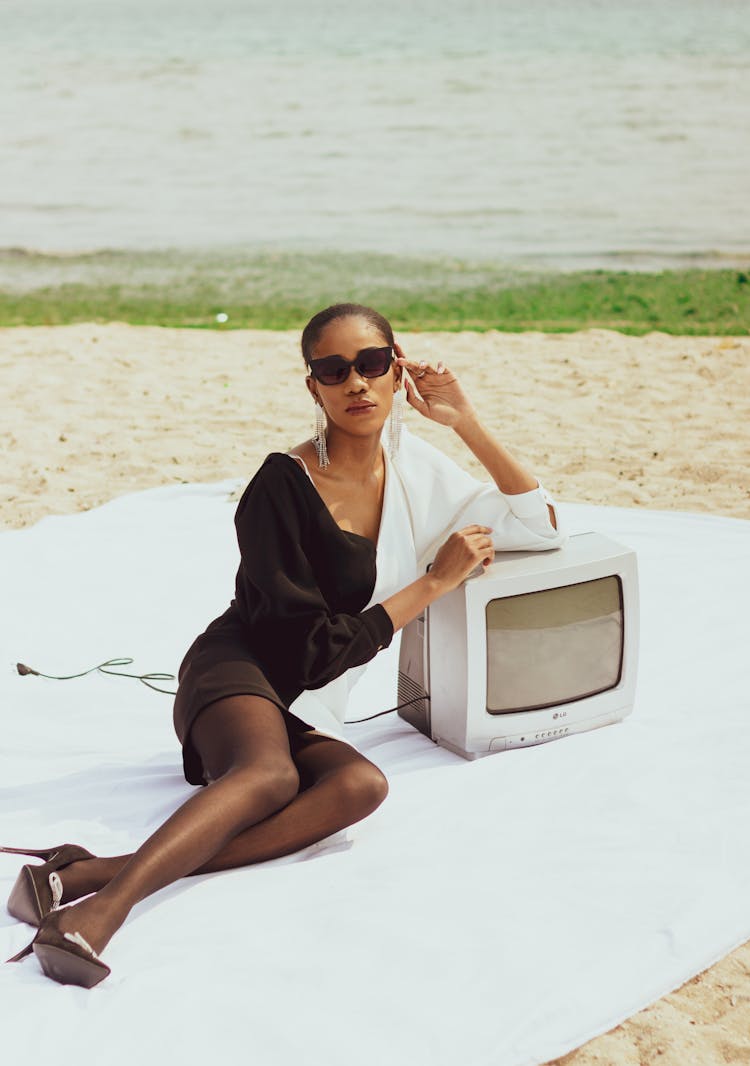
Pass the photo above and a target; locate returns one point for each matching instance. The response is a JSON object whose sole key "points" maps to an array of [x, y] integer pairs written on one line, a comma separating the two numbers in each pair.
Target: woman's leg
{"points": [[338, 788], [244, 746]]}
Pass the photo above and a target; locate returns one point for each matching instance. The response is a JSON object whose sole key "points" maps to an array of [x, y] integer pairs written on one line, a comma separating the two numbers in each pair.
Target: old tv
{"points": [[538, 646]]}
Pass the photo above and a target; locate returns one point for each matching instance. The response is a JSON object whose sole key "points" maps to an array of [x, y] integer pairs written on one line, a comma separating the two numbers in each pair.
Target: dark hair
{"points": [[312, 331]]}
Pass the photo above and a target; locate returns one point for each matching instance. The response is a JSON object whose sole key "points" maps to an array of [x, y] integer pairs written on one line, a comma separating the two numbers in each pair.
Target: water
{"points": [[573, 134]]}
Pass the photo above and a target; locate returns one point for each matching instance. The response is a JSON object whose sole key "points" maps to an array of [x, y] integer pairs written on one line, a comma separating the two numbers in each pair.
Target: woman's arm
{"points": [[462, 552], [441, 399], [507, 473], [287, 619]]}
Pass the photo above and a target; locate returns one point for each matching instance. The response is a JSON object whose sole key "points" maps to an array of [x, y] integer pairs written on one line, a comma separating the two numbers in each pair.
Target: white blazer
{"points": [[426, 497]]}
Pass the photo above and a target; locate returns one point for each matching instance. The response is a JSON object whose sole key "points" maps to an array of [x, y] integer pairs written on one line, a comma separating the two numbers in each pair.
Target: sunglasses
{"points": [[369, 363]]}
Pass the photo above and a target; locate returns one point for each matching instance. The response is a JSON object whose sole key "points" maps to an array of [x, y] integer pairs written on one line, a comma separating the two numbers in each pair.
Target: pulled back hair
{"points": [[312, 331]]}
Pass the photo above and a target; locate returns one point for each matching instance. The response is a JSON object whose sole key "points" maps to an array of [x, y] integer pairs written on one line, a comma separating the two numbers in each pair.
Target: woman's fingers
{"points": [[422, 370], [481, 544], [484, 547], [476, 529], [414, 368], [413, 397], [462, 552], [417, 368], [478, 540]]}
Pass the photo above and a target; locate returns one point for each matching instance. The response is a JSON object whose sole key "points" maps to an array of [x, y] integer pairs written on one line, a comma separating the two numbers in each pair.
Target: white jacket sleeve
{"points": [[443, 498]]}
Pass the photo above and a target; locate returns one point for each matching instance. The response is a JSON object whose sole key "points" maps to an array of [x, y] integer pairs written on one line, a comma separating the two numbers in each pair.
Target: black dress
{"points": [[297, 619]]}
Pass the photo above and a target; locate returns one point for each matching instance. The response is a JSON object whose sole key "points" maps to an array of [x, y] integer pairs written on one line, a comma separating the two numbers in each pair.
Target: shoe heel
{"points": [[42, 853], [23, 901], [22, 953]]}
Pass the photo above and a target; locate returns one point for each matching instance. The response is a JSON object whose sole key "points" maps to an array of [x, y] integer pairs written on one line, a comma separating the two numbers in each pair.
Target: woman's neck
{"points": [[354, 458]]}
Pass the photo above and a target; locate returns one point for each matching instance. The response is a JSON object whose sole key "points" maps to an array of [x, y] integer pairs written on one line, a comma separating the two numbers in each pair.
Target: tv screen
{"points": [[554, 646]]}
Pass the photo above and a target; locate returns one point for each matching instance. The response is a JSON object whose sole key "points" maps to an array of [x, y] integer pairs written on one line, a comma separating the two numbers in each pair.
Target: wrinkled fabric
{"points": [[490, 913]]}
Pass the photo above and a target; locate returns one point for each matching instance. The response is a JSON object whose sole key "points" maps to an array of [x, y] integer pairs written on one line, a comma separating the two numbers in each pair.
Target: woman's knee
{"points": [[273, 784], [362, 785]]}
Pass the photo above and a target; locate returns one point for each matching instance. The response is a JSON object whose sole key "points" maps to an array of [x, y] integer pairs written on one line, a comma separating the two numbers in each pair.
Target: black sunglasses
{"points": [[369, 363]]}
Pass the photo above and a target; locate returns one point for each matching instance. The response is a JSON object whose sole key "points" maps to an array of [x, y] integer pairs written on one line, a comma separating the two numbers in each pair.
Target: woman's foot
{"points": [[90, 924], [38, 888], [93, 918], [64, 956]]}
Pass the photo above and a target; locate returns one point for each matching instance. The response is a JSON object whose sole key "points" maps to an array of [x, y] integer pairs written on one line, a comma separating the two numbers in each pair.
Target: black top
{"points": [[301, 586]]}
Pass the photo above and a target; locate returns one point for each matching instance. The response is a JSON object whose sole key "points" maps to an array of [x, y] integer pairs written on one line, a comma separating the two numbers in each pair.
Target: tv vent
{"points": [[415, 713]]}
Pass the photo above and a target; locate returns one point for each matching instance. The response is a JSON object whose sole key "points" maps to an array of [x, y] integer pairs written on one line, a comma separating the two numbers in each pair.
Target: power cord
{"points": [[356, 721], [23, 669]]}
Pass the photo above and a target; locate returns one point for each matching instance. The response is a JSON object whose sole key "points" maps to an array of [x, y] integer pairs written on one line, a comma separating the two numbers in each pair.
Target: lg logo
{"points": [[560, 714]]}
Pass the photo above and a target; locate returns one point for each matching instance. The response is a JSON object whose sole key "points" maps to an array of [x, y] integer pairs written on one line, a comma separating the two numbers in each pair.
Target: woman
{"points": [[334, 539]]}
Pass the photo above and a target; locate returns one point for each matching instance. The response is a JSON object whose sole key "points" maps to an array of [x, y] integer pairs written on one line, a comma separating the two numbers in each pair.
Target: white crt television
{"points": [[536, 647]]}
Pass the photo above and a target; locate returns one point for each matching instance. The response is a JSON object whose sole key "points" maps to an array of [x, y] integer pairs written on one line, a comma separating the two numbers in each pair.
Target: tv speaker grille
{"points": [[416, 713]]}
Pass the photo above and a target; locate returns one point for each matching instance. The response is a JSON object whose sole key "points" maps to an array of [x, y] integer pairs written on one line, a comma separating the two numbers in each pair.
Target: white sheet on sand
{"points": [[498, 912]]}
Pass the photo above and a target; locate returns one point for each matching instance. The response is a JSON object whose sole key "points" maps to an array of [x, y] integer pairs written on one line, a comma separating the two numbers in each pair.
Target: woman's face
{"points": [[359, 405]]}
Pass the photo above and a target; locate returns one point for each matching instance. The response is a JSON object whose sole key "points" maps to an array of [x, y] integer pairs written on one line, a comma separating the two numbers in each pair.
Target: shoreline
{"points": [[636, 260], [659, 421]]}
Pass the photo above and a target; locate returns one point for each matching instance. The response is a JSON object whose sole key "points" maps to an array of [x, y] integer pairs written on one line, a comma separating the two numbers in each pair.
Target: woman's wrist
{"points": [[434, 586], [509, 475], [469, 427], [411, 601]]}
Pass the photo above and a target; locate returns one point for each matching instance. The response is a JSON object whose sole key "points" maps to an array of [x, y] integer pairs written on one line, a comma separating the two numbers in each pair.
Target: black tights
{"points": [[265, 800]]}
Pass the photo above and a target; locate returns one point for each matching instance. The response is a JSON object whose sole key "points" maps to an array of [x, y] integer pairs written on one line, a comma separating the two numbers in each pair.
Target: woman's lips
{"points": [[360, 408]]}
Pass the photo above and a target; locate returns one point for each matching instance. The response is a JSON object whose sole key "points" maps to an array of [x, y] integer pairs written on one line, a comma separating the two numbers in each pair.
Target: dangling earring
{"points": [[319, 440], [395, 423]]}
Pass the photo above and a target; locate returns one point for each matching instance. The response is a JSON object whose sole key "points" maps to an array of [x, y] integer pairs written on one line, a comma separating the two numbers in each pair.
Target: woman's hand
{"points": [[462, 552], [440, 396]]}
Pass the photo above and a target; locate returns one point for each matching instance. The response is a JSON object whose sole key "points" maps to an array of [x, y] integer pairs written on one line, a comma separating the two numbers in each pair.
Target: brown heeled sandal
{"points": [[65, 957], [32, 896]]}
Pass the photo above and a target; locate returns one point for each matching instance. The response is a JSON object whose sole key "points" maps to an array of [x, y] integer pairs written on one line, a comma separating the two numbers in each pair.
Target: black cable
{"points": [[23, 669], [356, 721]]}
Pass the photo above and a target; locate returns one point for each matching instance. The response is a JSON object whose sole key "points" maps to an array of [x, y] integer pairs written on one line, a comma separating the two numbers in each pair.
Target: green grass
{"points": [[282, 290]]}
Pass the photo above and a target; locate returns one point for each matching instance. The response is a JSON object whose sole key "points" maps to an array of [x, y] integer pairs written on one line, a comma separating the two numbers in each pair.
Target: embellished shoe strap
{"points": [[82, 943], [56, 888]]}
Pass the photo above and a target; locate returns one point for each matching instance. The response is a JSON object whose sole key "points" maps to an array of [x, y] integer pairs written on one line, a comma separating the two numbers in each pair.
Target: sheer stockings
{"points": [[251, 812]]}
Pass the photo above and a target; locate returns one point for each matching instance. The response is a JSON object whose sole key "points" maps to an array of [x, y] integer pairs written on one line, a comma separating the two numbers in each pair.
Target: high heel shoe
{"points": [[65, 957], [34, 895]]}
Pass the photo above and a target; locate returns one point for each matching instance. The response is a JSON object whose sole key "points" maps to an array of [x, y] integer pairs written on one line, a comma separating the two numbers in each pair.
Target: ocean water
{"points": [[579, 133]]}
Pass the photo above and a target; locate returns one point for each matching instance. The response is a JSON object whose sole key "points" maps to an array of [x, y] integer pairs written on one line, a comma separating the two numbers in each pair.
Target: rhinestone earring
{"points": [[319, 440], [395, 423]]}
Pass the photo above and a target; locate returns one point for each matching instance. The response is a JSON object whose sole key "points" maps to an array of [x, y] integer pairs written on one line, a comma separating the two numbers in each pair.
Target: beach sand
{"points": [[94, 411]]}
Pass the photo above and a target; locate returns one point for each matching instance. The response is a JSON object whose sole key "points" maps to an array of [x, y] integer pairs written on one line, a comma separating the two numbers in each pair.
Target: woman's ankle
{"points": [[85, 876]]}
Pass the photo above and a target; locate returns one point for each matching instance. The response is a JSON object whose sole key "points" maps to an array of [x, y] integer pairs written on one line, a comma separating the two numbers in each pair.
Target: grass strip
{"points": [[282, 290]]}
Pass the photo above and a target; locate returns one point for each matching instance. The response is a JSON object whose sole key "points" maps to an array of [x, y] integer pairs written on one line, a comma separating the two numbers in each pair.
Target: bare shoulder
{"points": [[304, 449]]}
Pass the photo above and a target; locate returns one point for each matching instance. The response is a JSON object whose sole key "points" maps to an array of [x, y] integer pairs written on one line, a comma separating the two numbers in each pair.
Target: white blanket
{"points": [[494, 913]]}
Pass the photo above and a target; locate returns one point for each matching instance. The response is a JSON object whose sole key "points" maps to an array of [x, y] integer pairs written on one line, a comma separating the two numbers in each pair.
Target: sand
{"points": [[93, 411]]}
